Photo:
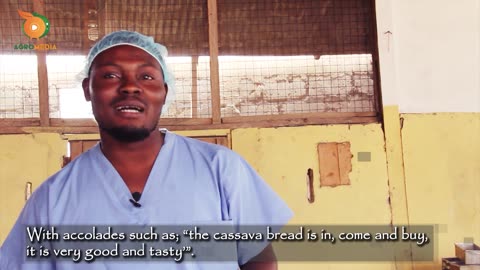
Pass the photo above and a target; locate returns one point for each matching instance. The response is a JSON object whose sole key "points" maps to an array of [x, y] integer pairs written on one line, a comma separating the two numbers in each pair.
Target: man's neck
{"points": [[131, 153], [133, 161]]}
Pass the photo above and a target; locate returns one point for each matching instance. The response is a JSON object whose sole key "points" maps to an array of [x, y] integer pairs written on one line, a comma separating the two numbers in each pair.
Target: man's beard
{"points": [[129, 134]]}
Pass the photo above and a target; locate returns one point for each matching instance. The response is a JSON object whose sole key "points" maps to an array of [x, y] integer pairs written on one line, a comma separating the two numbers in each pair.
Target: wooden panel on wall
{"points": [[77, 147], [334, 163]]}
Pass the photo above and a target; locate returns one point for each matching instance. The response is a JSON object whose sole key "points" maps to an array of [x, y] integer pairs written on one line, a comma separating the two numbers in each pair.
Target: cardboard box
{"points": [[457, 266], [469, 253], [447, 263]]}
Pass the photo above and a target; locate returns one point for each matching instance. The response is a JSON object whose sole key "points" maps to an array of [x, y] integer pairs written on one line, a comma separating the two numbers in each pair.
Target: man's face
{"points": [[127, 91]]}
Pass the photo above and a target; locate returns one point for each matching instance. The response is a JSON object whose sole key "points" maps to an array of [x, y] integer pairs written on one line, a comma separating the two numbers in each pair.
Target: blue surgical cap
{"points": [[135, 39]]}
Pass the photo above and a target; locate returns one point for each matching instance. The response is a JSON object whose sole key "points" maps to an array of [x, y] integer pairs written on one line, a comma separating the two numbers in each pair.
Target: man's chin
{"points": [[128, 134]]}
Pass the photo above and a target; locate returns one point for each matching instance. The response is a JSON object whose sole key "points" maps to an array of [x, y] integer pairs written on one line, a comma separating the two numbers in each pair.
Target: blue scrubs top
{"points": [[191, 182]]}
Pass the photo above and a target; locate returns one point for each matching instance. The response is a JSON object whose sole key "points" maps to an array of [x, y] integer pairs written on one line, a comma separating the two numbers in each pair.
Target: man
{"points": [[139, 175]]}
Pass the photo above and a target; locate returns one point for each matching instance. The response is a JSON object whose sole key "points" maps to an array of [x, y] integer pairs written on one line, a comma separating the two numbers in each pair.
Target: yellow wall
{"points": [[283, 156], [442, 172], [439, 159], [25, 158]]}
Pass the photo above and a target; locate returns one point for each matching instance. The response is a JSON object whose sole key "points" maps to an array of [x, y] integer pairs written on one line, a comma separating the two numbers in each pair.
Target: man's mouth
{"points": [[129, 109]]}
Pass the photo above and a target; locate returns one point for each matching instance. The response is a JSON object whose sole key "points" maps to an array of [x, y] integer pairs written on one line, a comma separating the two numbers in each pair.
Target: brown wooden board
{"points": [[334, 161]]}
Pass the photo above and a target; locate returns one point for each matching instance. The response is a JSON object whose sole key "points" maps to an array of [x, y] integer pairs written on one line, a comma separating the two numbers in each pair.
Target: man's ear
{"points": [[86, 88], [166, 92]]}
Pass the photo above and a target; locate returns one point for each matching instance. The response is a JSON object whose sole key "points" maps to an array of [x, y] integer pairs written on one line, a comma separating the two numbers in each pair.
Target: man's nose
{"points": [[130, 86]]}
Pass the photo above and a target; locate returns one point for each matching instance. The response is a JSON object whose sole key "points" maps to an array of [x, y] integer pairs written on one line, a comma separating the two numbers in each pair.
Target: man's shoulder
{"points": [[71, 171]]}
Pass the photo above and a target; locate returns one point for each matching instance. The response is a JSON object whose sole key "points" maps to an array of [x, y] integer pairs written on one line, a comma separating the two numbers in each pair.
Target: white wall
{"points": [[431, 60]]}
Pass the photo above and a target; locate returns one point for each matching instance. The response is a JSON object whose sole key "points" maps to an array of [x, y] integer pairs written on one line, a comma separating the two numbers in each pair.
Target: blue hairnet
{"points": [[158, 51]]}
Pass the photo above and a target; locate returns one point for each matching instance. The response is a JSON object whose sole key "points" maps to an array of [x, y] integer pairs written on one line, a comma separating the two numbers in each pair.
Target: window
{"points": [[237, 63]]}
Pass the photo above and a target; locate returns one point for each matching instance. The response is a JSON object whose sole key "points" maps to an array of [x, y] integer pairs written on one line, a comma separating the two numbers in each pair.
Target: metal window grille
{"points": [[18, 67], [275, 57], [296, 56]]}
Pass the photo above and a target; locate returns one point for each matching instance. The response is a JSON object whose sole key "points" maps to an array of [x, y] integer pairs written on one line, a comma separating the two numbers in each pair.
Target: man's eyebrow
{"points": [[146, 64]]}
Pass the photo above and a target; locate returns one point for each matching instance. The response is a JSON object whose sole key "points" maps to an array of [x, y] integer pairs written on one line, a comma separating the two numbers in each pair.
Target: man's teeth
{"points": [[130, 109]]}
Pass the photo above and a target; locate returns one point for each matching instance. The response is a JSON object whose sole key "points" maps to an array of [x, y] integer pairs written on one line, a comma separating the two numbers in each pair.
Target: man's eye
{"points": [[147, 77], [109, 76]]}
